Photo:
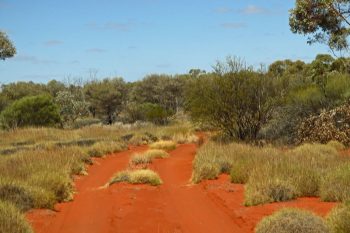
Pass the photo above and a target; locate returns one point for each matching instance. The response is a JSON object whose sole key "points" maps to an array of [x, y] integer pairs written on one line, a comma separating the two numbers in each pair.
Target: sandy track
{"points": [[174, 207]]}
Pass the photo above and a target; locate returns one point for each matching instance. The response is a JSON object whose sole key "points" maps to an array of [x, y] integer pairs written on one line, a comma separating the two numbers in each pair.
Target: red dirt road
{"points": [[174, 207]]}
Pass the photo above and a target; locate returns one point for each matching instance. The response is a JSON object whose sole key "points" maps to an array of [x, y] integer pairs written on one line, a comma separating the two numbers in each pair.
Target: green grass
{"points": [[275, 175], [292, 221], [143, 176], [148, 156]]}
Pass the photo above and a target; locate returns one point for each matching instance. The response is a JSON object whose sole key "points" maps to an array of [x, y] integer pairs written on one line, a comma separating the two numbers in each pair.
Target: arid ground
{"points": [[173, 207]]}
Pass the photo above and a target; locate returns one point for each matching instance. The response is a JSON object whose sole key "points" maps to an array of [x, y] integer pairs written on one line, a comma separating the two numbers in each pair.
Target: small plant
{"points": [[143, 176], [338, 219], [11, 219], [292, 221], [163, 145]]}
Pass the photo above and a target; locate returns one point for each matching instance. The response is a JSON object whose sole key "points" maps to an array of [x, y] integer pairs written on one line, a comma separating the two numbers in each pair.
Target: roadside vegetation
{"points": [[279, 130], [271, 174]]}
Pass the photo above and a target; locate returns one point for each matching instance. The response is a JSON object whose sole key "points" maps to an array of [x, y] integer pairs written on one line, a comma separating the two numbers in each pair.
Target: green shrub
{"points": [[31, 111], [11, 219], [338, 219], [143, 176], [292, 221], [335, 186]]}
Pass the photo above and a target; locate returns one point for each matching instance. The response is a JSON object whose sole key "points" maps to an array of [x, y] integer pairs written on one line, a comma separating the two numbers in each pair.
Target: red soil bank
{"points": [[174, 207]]}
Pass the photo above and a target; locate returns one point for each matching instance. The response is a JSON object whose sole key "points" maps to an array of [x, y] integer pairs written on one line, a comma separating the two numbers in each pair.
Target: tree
{"points": [[324, 21], [71, 107], [31, 111], [106, 98], [7, 49], [238, 103]]}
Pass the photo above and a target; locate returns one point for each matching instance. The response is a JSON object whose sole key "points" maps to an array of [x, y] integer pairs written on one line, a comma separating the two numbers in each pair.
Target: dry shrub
{"points": [[328, 126], [292, 221]]}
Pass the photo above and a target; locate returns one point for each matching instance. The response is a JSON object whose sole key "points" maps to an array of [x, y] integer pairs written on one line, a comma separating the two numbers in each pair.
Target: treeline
{"points": [[242, 102]]}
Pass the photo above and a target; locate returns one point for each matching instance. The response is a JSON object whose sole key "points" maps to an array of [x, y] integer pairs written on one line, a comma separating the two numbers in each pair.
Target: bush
{"points": [[163, 145], [11, 219], [338, 219], [326, 127], [335, 186], [31, 111], [144, 176], [292, 221]]}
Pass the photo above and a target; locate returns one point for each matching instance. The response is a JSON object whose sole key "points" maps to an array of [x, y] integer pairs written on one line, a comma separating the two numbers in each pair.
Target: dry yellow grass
{"points": [[163, 145], [143, 176]]}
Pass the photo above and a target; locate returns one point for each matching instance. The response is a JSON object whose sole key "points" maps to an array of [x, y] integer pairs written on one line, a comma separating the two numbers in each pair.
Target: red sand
{"points": [[174, 207]]}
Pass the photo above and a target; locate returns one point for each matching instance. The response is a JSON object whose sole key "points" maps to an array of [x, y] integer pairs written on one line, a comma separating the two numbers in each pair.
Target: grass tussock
{"points": [[164, 145], [12, 220], [292, 221], [103, 148], [335, 185], [143, 176], [148, 156], [338, 219], [138, 159], [336, 145], [274, 175]]}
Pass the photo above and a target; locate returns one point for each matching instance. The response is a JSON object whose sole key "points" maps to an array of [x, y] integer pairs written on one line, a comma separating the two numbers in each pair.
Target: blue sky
{"points": [[56, 39]]}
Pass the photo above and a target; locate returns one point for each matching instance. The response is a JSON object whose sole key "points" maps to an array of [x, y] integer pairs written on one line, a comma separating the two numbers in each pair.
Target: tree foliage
{"points": [[324, 21], [7, 49], [71, 106], [239, 102], [106, 98]]}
